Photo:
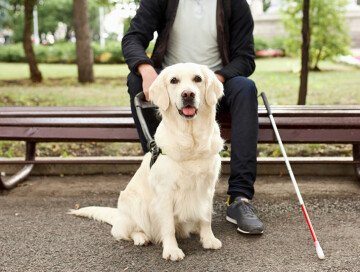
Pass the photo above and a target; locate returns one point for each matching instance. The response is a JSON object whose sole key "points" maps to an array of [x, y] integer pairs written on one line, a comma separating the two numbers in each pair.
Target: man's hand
{"points": [[148, 75], [220, 77]]}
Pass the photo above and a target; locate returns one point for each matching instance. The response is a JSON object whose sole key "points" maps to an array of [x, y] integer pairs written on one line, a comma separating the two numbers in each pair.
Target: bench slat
{"points": [[342, 110], [67, 122], [116, 108], [67, 134], [309, 122], [56, 134], [59, 108], [313, 122], [305, 135], [65, 111], [297, 123]]}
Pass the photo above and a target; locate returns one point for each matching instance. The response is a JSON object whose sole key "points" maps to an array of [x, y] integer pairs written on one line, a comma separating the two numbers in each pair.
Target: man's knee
{"points": [[241, 86]]}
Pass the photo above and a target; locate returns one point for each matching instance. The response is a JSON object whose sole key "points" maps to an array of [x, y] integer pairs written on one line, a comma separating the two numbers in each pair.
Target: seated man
{"points": [[218, 34]]}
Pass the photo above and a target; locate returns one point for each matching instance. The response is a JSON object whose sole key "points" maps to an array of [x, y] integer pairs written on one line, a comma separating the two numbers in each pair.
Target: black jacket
{"points": [[234, 30]]}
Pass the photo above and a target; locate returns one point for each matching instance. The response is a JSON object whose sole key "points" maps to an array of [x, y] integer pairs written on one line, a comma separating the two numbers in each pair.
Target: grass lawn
{"points": [[335, 84], [277, 77], [15, 71], [60, 86]]}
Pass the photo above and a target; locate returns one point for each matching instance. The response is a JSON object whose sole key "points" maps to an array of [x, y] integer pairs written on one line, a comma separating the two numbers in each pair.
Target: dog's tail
{"points": [[102, 214]]}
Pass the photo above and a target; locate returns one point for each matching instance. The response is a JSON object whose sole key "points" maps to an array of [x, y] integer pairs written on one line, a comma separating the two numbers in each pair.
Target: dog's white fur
{"points": [[174, 196]]}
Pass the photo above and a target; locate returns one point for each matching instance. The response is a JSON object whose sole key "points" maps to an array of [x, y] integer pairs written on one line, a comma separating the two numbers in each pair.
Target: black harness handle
{"points": [[141, 103]]}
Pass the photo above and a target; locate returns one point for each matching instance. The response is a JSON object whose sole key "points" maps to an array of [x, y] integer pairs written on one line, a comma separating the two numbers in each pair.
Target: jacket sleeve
{"points": [[140, 33], [241, 42]]}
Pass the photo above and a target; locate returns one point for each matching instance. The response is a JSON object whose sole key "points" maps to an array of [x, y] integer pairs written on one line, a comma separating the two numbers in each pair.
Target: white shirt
{"points": [[193, 36]]}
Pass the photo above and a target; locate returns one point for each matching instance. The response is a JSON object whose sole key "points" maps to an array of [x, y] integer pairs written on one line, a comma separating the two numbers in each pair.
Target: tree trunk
{"points": [[316, 65], [84, 53], [304, 53], [35, 73]]}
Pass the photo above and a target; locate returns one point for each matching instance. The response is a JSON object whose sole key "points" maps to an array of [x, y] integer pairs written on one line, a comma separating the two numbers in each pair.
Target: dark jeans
{"points": [[240, 100]]}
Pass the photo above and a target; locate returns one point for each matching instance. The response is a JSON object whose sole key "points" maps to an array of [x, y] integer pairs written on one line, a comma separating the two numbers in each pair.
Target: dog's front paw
{"points": [[211, 243], [140, 239], [174, 254]]}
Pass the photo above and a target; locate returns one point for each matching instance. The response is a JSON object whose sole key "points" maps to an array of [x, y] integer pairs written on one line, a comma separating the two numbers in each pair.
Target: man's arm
{"points": [[241, 45], [140, 33]]}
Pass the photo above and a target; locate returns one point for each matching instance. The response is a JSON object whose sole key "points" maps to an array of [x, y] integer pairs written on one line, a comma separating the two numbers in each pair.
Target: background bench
{"points": [[296, 124]]}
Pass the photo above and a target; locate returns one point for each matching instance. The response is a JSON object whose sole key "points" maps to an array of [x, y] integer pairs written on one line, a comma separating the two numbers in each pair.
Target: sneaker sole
{"points": [[229, 219]]}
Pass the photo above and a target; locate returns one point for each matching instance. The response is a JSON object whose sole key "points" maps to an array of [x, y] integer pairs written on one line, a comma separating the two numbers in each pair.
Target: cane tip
{"points": [[320, 252]]}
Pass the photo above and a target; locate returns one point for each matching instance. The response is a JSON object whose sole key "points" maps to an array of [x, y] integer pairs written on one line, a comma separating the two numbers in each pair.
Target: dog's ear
{"points": [[214, 88], [158, 92]]}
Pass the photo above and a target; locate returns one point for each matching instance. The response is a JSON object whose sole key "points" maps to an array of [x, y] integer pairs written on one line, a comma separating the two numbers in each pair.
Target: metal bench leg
{"points": [[356, 156], [24, 172]]}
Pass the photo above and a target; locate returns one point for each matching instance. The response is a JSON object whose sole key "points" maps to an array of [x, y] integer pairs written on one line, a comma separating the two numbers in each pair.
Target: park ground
{"points": [[38, 235]]}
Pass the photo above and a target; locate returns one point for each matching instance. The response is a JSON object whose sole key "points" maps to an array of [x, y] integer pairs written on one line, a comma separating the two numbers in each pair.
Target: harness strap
{"points": [[155, 152]]}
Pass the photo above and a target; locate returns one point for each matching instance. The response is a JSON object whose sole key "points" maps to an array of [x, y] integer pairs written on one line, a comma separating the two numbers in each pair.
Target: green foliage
{"points": [[127, 24], [4, 12], [7, 149], [63, 52], [50, 13], [329, 35], [14, 18], [57, 53], [279, 43], [263, 43], [267, 4], [12, 53], [111, 53]]}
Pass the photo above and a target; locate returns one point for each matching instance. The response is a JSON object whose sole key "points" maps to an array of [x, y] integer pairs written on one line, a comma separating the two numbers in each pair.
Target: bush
{"points": [[270, 48], [63, 52], [279, 42], [261, 44], [111, 53], [59, 53], [12, 53]]}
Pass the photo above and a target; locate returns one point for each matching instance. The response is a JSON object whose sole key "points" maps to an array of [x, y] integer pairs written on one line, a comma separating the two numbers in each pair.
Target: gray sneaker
{"points": [[241, 213]]}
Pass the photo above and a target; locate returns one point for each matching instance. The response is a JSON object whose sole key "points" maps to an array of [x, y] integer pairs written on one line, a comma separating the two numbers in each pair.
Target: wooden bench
{"points": [[296, 124]]}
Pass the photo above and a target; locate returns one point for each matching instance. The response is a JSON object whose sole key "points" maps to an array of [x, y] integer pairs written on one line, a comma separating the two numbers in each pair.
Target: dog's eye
{"points": [[197, 79], [174, 80]]}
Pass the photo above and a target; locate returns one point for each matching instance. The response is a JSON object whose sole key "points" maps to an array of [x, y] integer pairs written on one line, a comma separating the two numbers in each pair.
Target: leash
{"points": [[141, 103]]}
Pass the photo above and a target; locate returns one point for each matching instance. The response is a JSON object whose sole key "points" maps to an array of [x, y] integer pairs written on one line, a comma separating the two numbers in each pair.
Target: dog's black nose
{"points": [[188, 95]]}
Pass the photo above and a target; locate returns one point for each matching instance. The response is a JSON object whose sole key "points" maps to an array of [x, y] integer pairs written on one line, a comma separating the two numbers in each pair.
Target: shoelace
{"points": [[248, 209]]}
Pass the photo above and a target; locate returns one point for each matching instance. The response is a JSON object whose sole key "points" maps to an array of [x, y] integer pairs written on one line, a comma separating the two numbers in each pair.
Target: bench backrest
{"points": [[325, 124]]}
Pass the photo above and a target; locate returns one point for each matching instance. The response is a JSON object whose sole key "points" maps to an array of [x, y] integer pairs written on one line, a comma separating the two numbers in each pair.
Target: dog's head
{"points": [[186, 88]]}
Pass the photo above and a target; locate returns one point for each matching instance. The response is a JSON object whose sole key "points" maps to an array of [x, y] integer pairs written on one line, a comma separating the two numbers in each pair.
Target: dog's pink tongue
{"points": [[188, 111]]}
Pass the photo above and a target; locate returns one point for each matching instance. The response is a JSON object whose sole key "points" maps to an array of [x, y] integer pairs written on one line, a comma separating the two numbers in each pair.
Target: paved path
{"points": [[37, 235]]}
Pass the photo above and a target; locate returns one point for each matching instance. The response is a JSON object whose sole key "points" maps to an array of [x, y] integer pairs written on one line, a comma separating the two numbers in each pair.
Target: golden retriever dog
{"points": [[174, 198]]}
